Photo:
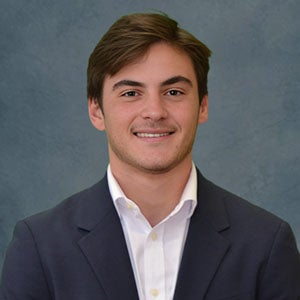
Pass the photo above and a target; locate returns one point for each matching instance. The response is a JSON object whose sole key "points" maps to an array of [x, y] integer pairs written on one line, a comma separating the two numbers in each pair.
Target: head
{"points": [[130, 37]]}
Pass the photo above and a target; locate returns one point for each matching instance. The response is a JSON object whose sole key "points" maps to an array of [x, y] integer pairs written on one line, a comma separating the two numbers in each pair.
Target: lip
{"points": [[153, 135]]}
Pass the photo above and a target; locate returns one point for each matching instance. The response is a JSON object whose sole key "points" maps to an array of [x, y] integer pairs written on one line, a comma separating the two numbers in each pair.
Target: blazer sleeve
{"points": [[23, 276], [281, 276]]}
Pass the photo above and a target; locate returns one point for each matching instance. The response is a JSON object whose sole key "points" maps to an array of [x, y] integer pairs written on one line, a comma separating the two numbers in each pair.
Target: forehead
{"points": [[161, 61]]}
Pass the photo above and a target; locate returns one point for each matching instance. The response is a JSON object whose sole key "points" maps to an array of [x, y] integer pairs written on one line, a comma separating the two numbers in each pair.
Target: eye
{"points": [[130, 94], [174, 93]]}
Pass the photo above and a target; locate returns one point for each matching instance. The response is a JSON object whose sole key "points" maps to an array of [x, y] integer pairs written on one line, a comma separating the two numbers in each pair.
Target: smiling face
{"points": [[151, 111]]}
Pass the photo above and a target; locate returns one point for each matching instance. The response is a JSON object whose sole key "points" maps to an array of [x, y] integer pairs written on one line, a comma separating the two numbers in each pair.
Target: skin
{"points": [[151, 112]]}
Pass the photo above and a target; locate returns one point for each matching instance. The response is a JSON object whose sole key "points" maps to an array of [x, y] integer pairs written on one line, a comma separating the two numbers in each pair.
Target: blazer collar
{"points": [[211, 206], [205, 247], [104, 244], [98, 204]]}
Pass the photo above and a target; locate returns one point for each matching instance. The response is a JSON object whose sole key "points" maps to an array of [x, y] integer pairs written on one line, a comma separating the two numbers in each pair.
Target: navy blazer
{"points": [[77, 251]]}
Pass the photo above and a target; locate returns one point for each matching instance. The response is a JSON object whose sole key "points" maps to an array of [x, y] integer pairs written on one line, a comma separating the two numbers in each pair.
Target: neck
{"points": [[155, 194]]}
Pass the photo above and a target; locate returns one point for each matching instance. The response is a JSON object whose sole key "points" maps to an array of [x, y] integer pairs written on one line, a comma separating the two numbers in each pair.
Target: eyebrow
{"points": [[172, 80], [177, 79], [127, 82]]}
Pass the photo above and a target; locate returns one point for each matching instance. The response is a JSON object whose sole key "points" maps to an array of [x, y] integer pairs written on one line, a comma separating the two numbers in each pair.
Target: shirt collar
{"points": [[189, 194]]}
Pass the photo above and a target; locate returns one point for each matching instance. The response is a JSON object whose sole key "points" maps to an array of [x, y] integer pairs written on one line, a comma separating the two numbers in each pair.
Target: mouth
{"points": [[152, 135]]}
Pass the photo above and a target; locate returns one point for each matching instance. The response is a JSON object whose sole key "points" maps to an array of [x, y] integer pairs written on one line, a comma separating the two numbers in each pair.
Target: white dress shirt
{"points": [[155, 252]]}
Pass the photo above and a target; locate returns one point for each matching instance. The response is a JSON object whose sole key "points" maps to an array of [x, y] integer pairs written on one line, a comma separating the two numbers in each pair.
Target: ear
{"points": [[96, 114], [203, 111]]}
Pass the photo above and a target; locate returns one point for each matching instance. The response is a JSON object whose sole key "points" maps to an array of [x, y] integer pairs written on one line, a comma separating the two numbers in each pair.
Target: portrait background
{"points": [[49, 150]]}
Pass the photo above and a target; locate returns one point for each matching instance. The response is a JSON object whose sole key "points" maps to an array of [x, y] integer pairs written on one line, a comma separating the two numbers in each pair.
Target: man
{"points": [[153, 227]]}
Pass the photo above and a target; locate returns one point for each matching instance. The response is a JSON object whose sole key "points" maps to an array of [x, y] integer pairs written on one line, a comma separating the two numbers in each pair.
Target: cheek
{"points": [[117, 122], [125, 115], [188, 117]]}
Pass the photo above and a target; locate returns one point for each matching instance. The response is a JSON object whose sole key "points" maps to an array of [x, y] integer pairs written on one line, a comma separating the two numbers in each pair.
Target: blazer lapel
{"points": [[104, 244], [205, 247]]}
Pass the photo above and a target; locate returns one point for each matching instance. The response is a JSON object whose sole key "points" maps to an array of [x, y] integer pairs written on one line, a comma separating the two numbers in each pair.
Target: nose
{"points": [[154, 108]]}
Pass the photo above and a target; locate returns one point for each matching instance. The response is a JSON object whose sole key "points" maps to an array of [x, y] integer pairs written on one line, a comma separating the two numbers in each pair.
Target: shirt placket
{"points": [[154, 265]]}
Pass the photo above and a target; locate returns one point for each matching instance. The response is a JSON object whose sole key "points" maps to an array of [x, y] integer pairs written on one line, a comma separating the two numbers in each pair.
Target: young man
{"points": [[153, 227]]}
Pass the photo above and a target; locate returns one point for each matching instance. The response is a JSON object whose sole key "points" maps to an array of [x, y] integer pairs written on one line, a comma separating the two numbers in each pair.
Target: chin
{"points": [[157, 167]]}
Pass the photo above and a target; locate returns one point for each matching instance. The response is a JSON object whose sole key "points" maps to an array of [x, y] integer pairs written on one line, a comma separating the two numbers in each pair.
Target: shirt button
{"points": [[154, 292], [129, 205], [153, 236]]}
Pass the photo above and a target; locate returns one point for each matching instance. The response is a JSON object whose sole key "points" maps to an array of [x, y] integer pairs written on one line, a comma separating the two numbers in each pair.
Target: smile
{"points": [[151, 135]]}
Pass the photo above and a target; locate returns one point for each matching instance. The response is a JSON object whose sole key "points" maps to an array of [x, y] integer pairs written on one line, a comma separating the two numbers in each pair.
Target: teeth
{"points": [[151, 135]]}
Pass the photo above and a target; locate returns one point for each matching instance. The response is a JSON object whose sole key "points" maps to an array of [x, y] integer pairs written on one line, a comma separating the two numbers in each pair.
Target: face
{"points": [[151, 111]]}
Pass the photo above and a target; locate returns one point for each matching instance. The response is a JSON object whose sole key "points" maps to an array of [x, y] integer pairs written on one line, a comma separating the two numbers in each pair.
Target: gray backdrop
{"points": [[49, 150]]}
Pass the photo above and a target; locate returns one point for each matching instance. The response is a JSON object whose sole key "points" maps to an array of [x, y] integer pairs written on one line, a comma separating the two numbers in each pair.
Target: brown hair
{"points": [[129, 38]]}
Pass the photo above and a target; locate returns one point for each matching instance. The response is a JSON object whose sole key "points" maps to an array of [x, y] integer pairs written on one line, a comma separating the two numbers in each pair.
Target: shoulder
{"points": [[261, 245], [88, 204], [235, 207], [245, 224], [240, 209], [244, 220]]}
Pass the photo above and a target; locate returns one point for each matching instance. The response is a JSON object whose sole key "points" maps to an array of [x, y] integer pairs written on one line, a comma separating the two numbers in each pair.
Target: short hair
{"points": [[129, 38]]}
